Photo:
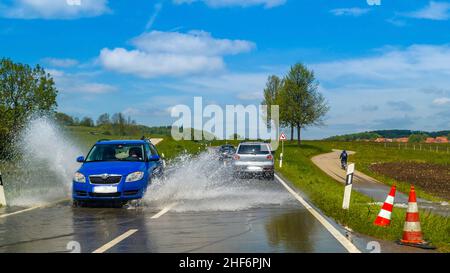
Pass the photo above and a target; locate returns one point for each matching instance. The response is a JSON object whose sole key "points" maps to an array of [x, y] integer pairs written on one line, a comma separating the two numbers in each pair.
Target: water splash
{"points": [[45, 164], [202, 183]]}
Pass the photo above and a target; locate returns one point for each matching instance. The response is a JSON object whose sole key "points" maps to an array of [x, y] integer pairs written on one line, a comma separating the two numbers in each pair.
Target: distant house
{"points": [[382, 140], [401, 140], [430, 140], [441, 139]]}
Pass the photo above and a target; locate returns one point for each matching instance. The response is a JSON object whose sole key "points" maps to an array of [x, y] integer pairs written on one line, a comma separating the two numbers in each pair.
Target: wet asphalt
{"points": [[288, 227]]}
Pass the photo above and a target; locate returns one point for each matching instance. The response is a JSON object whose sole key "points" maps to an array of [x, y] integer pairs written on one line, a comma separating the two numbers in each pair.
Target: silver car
{"points": [[254, 158]]}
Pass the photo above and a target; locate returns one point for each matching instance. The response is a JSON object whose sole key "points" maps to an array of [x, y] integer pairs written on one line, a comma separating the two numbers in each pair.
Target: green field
{"points": [[327, 194], [368, 153]]}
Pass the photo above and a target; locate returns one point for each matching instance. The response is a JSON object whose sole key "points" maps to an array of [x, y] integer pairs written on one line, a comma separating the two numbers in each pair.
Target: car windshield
{"points": [[116, 152], [258, 149], [227, 149]]}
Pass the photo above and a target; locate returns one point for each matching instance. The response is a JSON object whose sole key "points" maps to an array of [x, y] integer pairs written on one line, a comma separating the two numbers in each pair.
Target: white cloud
{"points": [[55, 62], [172, 54], [433, 11], [241, 86], [410, 76], [191, 43], [53, 9], [96, 88], [424, 62], [236, 3], [349, 11], [78, 83], [441, 101]]}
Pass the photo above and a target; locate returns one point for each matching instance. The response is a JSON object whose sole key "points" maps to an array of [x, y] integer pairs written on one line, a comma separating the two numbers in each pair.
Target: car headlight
{"points": [[136, 176], [79, 177]]}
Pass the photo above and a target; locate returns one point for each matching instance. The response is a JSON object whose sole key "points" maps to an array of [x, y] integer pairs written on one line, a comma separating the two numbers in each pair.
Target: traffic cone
{"points": [[384, 217], [412, 232]]}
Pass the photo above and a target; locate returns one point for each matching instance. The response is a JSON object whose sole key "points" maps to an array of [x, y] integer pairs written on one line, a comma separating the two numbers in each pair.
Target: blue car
{"points": [[117, 171]]}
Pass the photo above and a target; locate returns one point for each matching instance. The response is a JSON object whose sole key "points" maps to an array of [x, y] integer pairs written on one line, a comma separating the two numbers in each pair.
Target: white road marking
{"points": [[33, 208], [336, 234], [164, 211], [114, 242]]}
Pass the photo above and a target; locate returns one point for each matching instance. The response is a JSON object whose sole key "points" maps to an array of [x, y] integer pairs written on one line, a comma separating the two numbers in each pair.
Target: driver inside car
{"points": [[135, 153]]}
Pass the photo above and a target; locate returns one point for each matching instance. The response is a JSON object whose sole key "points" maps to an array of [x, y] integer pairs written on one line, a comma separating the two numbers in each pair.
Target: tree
{"points": [[119, 123], [272, 95], [24, 90], [103, 119], [64, 119], [87, 121], [302, 104], [417, 138]]}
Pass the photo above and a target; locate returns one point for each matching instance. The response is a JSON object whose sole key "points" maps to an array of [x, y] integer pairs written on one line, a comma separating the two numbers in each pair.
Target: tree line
{"points": [[102, 120], [301, 105], [413, 136], [116, 124]]}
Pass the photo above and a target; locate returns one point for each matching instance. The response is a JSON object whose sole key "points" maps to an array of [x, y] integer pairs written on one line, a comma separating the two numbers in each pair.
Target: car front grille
{"points": [[99, 179]]}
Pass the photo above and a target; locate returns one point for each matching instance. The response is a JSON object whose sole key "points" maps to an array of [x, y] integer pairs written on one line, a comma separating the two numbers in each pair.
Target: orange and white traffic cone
{"points": [[384, 217], [412, 232]]}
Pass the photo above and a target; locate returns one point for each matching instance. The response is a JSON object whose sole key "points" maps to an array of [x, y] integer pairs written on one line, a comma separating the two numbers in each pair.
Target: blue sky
{"points": [[379, 66]]}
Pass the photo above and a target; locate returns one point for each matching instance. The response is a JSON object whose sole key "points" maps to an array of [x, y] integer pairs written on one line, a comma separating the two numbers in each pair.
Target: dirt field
{"points": [[430, 177]]}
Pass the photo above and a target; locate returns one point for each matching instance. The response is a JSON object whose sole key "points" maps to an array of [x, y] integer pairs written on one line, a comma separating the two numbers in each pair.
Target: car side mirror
{"points": [[80, 159], [154, 158]]}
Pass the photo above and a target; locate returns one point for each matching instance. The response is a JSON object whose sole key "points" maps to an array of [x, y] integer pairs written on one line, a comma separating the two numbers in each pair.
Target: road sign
{"points": [[282, 138], [348, 186]]}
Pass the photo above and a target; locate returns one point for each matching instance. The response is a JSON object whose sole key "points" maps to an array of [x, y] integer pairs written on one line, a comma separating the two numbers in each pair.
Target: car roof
{"points": [[227, 145], [122, 141], [253, 143]]}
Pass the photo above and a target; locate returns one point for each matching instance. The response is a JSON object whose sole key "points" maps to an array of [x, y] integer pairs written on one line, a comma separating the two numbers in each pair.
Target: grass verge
{"points": [[327, 194]]}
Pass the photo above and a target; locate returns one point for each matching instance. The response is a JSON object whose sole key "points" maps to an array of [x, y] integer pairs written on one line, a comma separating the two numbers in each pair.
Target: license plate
{"points": [[254, 168], [105, 189]]}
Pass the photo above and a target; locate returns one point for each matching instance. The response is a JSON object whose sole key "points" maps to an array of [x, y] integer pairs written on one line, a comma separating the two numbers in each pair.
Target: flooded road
{"points": [[269, 228]]}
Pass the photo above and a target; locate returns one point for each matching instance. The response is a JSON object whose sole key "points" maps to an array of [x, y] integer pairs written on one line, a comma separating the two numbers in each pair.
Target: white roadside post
{"points": [[2, 192], [348, 186], [282, 139]]}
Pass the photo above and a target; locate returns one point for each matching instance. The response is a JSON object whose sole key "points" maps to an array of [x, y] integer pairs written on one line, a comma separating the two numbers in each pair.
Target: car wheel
{"points": [[270, 175], [79, 204]]}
